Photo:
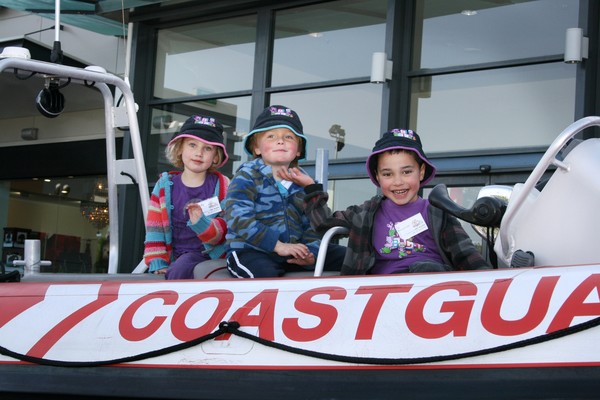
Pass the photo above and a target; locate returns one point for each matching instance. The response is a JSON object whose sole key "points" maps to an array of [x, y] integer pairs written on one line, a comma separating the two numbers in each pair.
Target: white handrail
{"points": [[320, 263]]}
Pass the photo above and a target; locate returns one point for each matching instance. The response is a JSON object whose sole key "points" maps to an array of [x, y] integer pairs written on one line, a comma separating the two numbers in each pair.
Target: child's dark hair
{"points": [[414, 155]]}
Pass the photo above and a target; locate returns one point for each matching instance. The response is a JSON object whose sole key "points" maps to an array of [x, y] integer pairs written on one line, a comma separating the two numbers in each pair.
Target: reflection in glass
{"points": [[206, 58], [499, 109], [95, 209], [450, 33], [233, 113], [325, 113], [51, 210], [327, 41]]}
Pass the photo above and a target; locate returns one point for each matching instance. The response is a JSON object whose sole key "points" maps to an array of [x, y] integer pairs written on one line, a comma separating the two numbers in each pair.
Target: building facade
{"points": [[485, 84]]}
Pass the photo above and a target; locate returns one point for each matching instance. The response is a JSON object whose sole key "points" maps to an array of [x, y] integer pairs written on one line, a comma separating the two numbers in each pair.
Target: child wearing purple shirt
{"points": [[180, 231], [396, 231]]}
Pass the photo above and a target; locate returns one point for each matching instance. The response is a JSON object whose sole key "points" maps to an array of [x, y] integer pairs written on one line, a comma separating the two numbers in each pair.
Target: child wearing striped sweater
{"points": [[184, 225]]}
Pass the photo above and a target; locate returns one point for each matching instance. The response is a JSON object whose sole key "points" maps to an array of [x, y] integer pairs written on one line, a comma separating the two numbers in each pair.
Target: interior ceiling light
{"points": [[468, 13]]}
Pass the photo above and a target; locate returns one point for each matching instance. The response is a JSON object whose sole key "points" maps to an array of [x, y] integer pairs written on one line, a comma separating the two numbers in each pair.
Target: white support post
{"points": [[322, 167], [31, 257]]}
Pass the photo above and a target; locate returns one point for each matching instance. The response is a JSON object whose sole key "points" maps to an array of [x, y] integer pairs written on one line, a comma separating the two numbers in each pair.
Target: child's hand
{"points": [[195, 212], [161, 271], [296, 176], [294, 250], [310, 260]]}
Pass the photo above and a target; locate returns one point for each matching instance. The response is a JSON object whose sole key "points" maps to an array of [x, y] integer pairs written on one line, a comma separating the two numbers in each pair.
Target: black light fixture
{"points": [[62, 190], [50, 101], [339, 134]]}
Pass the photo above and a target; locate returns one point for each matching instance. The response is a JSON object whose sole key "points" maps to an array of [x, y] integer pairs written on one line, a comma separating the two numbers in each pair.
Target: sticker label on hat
{"points": [[411, 227], [210, 206], [405, 133], [287, 112], [205, 121]]}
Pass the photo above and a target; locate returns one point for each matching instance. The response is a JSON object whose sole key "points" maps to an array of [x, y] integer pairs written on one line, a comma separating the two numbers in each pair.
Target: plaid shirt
{"points": [[454, 245]]}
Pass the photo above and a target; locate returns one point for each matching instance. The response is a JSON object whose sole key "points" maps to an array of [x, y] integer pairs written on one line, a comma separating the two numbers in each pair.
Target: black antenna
{"points": [[56, 56]]}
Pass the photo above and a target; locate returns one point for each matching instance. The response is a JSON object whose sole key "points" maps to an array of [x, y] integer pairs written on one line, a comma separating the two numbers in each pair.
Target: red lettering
{"points": [[575, 305], [106, 295], [326, 313], [378, 294], [130, 332], [538, 307], [183, 332], [264, 320], [461, 311]]}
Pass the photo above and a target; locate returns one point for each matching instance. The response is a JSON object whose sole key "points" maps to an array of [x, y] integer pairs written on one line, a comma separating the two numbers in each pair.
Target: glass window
{"points": [[344, 120], [233, 113], [449, 33], [344, 193], [494, 109], [68, 215], [333, 40], [206, 58]]}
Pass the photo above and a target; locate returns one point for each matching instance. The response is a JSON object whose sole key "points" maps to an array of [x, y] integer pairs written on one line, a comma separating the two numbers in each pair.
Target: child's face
{"points": [[399, 176], [277, 147], [197, 156]]}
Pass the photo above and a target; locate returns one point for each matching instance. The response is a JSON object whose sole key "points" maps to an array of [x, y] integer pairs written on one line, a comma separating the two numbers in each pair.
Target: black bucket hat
{"points": [[278, 116], [401, 139], [205, 129]]}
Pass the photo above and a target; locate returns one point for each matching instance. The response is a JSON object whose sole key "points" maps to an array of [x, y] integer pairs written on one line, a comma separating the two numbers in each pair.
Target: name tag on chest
{"points": [[411, 227]]}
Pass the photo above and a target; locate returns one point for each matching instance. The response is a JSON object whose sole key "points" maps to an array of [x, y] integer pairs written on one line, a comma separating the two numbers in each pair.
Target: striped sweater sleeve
{"points": [[157, 246]]}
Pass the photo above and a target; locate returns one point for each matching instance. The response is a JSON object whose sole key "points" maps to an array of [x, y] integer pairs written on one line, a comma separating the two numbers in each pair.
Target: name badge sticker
{"points": [[411, 227], [210, 206]]}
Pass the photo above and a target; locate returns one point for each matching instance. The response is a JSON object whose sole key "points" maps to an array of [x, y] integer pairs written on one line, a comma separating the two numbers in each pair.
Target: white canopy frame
{"points": [[124, 116]]}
